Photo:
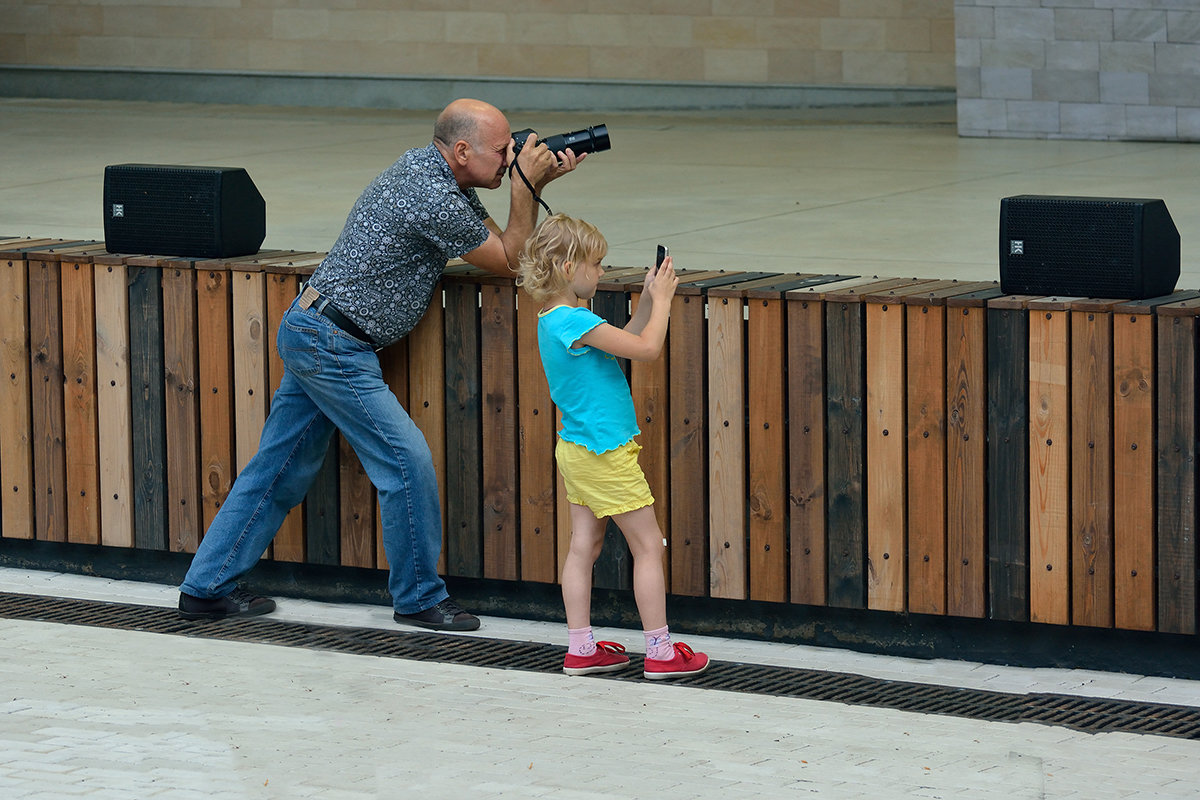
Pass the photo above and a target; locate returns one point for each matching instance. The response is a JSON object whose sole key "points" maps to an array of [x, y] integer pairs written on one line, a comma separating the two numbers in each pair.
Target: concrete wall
{"points": [[1079, 69], [840, 43]]}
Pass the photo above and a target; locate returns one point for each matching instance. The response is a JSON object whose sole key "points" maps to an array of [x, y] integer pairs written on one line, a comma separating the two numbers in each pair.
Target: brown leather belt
{"points": [[311, 298]]}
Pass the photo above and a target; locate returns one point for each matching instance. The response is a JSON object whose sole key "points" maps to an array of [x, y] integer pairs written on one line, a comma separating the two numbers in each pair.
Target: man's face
{"points": [[489, 155]]}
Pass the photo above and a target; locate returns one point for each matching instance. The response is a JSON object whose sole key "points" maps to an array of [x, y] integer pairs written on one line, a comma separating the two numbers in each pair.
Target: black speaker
{"points": [[1087, 247], [203, 212]]}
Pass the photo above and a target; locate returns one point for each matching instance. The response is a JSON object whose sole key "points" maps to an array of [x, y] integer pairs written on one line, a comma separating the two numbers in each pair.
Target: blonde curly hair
{"points": [[557, 240]]}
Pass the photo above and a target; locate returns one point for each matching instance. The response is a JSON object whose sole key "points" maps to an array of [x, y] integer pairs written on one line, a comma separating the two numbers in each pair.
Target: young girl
{"points": [[596, 453]]}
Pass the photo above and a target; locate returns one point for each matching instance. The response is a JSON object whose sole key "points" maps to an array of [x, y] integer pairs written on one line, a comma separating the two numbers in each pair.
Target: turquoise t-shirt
{"points": [[586, 384]]}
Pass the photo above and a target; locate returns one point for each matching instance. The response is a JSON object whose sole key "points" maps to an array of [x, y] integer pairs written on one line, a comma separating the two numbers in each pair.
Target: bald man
{"points": [[371, 290]]}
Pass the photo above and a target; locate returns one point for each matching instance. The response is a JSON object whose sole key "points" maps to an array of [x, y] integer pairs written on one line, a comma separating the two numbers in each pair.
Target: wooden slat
{"points": [[16, 424], [614, 568], [426, 397], [688, 535], [966, 458], [535, 442], [250, 349], [726, 449], [357, 506], [464, 470], [1049, 465], [147, 392], [180, 357], [1176, 472], [806, 449], [322, 517], [1091, 468], [767, 476], [649, 384], [926, 367], [845, 430], [885, 475], [501, 556], [46, 382], [1008, 460], [1134, 395], [393, 361], [214, 317], [114, 403], [281, 289], [81, 435]]}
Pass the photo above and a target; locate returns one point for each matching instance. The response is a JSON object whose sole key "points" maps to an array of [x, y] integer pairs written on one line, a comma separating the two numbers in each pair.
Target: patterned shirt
{"points": [[403, 229]]}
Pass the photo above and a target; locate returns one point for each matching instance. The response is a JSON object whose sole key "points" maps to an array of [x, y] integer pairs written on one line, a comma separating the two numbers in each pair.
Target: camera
{"points": [[589, 140]]}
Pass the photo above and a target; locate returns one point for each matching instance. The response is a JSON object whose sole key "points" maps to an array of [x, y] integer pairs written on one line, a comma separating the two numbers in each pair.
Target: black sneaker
{"points": [[238, 603], [445, 616]]}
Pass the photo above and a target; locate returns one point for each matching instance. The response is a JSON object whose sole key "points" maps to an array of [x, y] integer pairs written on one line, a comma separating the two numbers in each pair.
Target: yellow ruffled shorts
{"points": [[608, 483]]}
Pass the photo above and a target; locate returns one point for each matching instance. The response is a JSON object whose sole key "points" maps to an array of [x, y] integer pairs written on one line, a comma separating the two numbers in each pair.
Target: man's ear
{"points": [[462, 149]]}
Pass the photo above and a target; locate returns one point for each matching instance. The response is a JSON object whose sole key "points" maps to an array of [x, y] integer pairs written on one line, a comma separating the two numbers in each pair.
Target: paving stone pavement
{"points": [[98, 713]]}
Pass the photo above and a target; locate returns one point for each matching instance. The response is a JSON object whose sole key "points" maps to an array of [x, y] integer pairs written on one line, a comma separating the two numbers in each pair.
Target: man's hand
{"points": [[542, 166]]}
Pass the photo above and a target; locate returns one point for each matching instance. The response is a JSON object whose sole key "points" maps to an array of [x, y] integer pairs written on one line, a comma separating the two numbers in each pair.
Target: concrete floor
{"points": [[892, 192], [120, 714]]}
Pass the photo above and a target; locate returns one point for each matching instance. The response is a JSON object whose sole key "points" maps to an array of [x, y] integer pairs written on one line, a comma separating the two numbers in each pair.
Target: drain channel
{"points": [[1090, 715]]}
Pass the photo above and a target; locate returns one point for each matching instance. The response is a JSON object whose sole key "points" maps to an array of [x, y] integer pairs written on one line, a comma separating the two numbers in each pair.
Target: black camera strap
{"points": [[532, 191]]}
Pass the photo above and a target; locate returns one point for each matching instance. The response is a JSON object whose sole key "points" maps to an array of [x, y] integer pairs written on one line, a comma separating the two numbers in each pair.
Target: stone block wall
{"points": [[1079, 69]]}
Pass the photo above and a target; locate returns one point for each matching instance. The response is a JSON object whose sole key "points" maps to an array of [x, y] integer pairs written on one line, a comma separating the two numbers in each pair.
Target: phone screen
{"points": [[663, 252]]}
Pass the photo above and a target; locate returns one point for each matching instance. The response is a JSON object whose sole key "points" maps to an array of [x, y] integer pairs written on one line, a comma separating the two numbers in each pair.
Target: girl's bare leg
{"points": [[587, 538], [645, 539]]}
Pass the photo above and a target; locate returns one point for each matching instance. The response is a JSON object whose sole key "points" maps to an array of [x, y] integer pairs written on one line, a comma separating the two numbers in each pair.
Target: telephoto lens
{"points": [[592, 139], [588, 140]]}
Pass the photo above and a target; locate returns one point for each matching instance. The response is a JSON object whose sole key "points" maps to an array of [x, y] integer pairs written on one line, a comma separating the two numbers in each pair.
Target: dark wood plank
{"points": [[464, 460], [806, 449], [649, 384], [845, 431], [1008, 462], [1176, 470], [149, 412]]}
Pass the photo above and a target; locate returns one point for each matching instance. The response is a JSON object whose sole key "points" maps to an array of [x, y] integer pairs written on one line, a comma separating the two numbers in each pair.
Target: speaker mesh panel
{"points": [[1091, 247]]}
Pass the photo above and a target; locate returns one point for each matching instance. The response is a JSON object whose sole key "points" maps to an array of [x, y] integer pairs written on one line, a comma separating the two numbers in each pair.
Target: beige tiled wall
{"points": [[906, 43]]}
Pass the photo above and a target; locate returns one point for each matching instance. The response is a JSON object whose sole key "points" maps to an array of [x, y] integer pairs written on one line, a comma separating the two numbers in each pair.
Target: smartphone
{"points": [[663, 252]]}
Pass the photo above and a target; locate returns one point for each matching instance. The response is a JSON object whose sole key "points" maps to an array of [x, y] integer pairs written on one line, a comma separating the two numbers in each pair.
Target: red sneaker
{"points": [[607, 658], [685, 662]]}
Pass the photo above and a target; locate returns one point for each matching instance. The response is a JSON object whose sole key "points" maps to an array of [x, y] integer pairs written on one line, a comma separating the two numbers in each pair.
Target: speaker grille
{"points": [[1092, 247], [207, 212]]}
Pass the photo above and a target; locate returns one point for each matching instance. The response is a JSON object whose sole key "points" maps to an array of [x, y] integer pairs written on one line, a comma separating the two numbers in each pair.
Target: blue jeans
{"points": [[331, 379]]}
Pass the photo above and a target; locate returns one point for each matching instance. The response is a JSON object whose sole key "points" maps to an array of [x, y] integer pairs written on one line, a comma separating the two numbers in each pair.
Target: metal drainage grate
{"points": [[1090, 715]]}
